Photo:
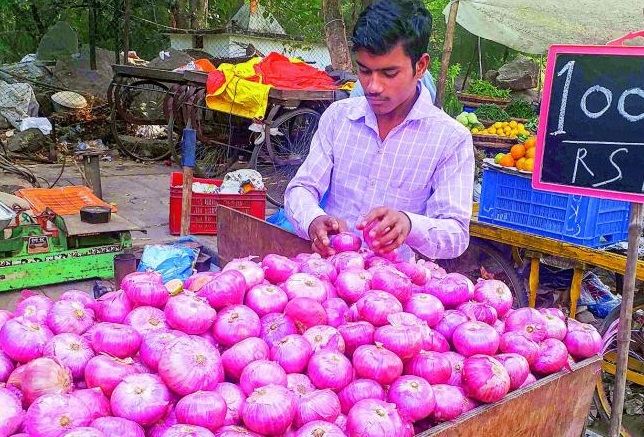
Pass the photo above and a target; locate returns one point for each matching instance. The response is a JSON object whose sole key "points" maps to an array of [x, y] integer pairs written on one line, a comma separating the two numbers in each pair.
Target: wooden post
{"points": [[447, 53], [625, 319], [188, 148]]}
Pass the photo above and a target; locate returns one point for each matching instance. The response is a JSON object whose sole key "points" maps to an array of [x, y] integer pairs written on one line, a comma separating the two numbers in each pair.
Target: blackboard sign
{"points": [[591, 125]]}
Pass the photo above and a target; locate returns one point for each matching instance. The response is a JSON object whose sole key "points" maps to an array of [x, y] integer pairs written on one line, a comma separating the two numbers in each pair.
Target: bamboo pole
{"points": [[447, 52]]}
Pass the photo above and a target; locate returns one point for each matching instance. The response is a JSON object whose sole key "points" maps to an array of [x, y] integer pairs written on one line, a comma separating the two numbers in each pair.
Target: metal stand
{"points": [[92, 171]]}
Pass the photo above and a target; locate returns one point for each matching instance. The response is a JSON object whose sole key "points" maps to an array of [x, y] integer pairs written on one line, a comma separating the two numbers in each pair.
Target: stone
{"points": [[75, 74], [60, 41], [519, 74], [531, 96], [491, 76], [29, 141], [173, 59], [585, 317]]}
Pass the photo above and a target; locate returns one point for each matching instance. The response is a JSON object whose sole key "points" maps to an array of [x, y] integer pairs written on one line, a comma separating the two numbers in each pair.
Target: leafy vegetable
{"points": [[519, 109], [491, 112], [485, 88], [533, 124]]}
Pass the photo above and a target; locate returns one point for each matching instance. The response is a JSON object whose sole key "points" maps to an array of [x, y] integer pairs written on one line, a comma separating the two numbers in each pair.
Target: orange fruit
{"points": [[517, 151], [528, 165], [530, 142], [529, 153], [507, 160], [520, 164]]}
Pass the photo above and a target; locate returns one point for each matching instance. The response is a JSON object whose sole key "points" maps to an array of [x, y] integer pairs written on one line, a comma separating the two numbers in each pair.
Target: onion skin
{"points": [[45, 376], [234, 398], [330, 369], [252, 272], [485, 379], [188, 313], [292, 353], [71, 350], [241, 354], [583, 342], [452, 290], [266, 299], [345, 241], [529, 322], [358, 390], [234, 324], [261, 373], [228, 289], [117, 426], [374, 418], [269, 410], [11, 413], [113, 307], [426, 307], [356, 334], [320, 428], [318, 405], [494, 293], [404, 341], [53, 414], [413, 396], [107, 372], [449, 402], [375, 306], [23, 340], [203, 408], [278, 268], [377, 363], [517, 367], [353, 284], [552, 357], [433, 366], [305, 312], [120, 341], [276, 326], [69, 316], [518, 343], [142, 398], [450, 321], [473, 338]]}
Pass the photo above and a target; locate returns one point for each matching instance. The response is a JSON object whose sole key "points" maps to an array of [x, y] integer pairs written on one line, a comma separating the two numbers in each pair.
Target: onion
{"points": [[449, 402], [113, 307], [499, 327], [134, 277], [269, 410], [228, 289], [393, 282], [34, 308], [485, 379], [266, 299], [583, 341], [234, 398], [278, 268], [347, 260], [479, 311], [120, 341], [235, 323], [320, 268], [203, 408], [69, 316], [336, 311], [516, 342], [341, 422], [404, 341], [146, 319], [15, 380], [142, 398], [305, 285], [189, 313], [144, 293], [319, 405], [6, 366], [529, 322], [305, 312], [53, 414], [320, 337], [375, 306], [4, 316], [153, 344], [553, 312], [426, 307], [471, 338], [190, 364], [235, 431], [44, 376], [95, 401], [11, 413], [530, 379], [107, 372], [196, 281], [71, 350], [356, 334], [345, 242], [377, 363], [453, 290], [433, 340], [299, 384], [117, 426], [552, 357], [261, 373], [83, 431], [292, 353], [433, 366], [555, 327], [274, 327], [468, 403], [23, 340], [352, 284], [450, 321], [164, 424], [358, 390], [418, 274], [517, 367], [374, 418], [181, 430], [456, 362], [366, 233], [413, 396], [252, 272], [319, 428], [495, 293], [79, 296], [328, 368], [235, 359]]}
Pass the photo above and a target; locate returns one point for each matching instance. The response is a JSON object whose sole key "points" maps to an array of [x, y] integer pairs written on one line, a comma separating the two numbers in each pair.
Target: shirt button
{"points": [[372, 182], [380, 151]]}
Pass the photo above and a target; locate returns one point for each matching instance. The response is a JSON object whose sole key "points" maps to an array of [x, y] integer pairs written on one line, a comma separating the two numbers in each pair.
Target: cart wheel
{"points": [[138, 123], [482, 255], [282, 153], [635, 377]]}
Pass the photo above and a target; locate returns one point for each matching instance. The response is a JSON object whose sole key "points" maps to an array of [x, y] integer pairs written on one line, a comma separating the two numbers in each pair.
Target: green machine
{"points": [[50, 248]]}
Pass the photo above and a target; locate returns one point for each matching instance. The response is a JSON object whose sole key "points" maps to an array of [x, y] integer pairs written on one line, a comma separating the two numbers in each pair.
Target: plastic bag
{"points": [[172, 261], [280, 219], [597, 296]]}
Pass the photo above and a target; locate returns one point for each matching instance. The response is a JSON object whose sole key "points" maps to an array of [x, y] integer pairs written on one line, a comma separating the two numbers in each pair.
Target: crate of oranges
{"points": [[499, 134], [520, 156]]}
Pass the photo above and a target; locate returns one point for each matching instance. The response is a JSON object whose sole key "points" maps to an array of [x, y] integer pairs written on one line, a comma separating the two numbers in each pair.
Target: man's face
{"points": [[388, 80]]}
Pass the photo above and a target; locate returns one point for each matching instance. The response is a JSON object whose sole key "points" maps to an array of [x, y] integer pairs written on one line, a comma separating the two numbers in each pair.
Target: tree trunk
{"points": [[335, 35], [180, 16], [198, 14]]}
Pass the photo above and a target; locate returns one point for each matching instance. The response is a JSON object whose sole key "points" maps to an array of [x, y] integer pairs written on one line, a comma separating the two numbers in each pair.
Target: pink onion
{"points": [[146, 319], [80, 296], [479, 311], [278, 268], [377, 363], [189, 313], [471, 338], [530, 379], [83, 431], [453, 290], [4, 316], [433, 340], [374, 418], [449, 402], [6, 366], [304, 285], [328, 368], [319, 428], [269, 410], [336, 311], [162, 425], [352, 284], [34, 308], [252, 272], [552, 357], [516, 342], [341, 422], [375, 306], [433, 366], [555, 327], [292, 353], [190, 364], [11, 413], [418, 274], [413, 396], [528, 322], [356, 334], [347, 260], [261, 373], [113, 307], [553, 312], [69, 316], [450, 321], [181, 430], [583, 341], [203, 408], [142, 398], [358, 390], [266, 299], [305, 312], [320, 336], [23, 340], [468, 403], [495, 293], [95, 401], [72, 350], [393, 282], [499, 327], [485, 379], [517, 367], [235, 359], [299, 384], [234, 398], [117, 426], [318, 405], [107, 372], [426, 307], [366, 233], [153, 344], [404, 341], [15, 380], [235, 431], [121, 341], [275, 326], [134, 277], [228, 289], [345, 242], [146, 293], [456, 362], [196, 281], [53, 414], [235, 323], [320, 268]]}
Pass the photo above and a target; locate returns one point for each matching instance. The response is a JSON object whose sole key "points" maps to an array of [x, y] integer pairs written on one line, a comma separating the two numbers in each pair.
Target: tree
{"points": [[335, 35]]}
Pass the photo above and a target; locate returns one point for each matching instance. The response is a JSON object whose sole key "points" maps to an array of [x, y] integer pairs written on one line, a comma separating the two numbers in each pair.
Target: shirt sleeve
{"points": [[304, 192], [443, 232]]}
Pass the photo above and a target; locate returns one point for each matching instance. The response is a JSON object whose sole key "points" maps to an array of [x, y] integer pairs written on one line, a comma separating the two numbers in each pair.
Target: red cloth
{"points": [[216, 79], [279, 71]]}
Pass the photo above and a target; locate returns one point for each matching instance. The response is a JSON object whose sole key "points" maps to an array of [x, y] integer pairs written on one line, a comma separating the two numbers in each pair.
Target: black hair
{"points": [[385, 23]]}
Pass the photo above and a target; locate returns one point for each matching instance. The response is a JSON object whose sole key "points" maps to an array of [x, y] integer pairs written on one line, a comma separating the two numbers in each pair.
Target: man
{"points": [[390, 156]]}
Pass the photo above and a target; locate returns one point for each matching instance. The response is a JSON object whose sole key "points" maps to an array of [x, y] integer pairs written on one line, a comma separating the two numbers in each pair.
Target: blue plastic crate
{"points": [[508, 199]]}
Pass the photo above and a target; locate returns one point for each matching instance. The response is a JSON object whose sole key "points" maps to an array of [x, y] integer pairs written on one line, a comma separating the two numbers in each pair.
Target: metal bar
{"points": [[93, 173]]}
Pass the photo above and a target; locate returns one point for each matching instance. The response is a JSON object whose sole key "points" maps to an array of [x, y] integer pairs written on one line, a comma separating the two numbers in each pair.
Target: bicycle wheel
{"points": [[279, 157], [631, 423], [138, 122], [482, 256]]}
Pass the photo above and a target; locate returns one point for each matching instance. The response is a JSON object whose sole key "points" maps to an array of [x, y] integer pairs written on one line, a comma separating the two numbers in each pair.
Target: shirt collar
{"points": [[423, 107]]}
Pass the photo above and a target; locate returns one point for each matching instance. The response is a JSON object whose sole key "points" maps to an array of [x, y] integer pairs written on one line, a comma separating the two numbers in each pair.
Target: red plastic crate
{"points": [[203, 214]]}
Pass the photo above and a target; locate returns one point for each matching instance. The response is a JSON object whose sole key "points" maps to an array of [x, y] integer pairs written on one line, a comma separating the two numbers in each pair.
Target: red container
{"points": [[203, 211]]}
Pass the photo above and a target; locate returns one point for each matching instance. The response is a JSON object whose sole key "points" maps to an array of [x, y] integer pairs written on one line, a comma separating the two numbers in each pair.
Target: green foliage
{"points": [[520, 109], [485, 88], [492, 113]]}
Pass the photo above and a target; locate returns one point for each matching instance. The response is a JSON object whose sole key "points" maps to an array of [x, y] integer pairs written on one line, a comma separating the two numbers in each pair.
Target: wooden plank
{"points": [[240, 235], [554, 406], [148, 73]]}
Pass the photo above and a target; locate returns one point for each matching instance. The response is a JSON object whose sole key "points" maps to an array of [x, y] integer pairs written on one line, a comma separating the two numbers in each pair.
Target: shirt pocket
{"points": [[411, 196]]}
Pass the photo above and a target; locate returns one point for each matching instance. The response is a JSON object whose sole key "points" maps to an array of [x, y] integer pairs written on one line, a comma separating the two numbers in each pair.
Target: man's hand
{"points": [[391, 231], [320, 229]]}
